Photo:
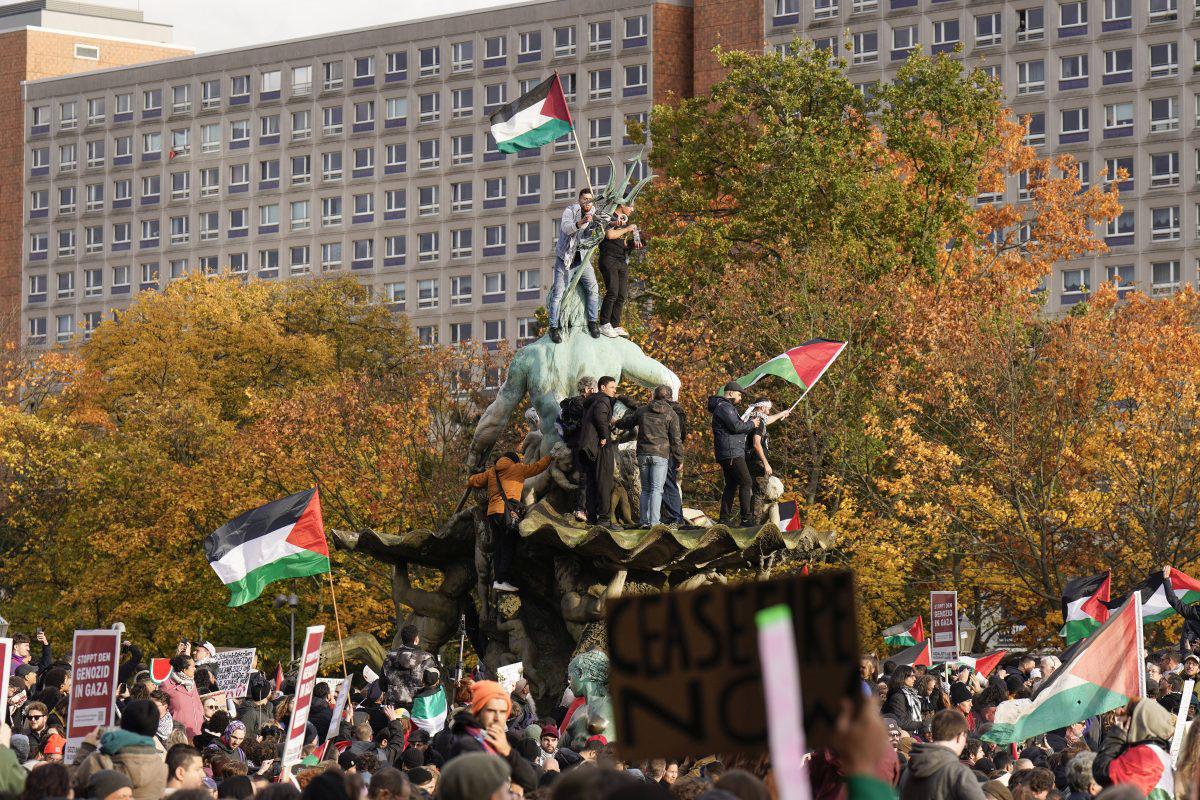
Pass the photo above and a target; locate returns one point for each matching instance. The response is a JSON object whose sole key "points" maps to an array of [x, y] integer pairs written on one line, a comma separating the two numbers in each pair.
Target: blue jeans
{"points": [[654, 473], [562, 276], [672, 500]]}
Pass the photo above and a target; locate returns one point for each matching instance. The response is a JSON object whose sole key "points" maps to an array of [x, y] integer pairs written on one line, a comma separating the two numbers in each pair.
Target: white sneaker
{"points": [[607, 330], [504, 586], [620, 332]]}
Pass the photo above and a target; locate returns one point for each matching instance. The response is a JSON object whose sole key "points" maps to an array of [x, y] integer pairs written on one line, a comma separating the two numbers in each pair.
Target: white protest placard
{"points": [[93, 702], [1181, 720], [339, 708], [233, 670], [508, 675], [306, 681]]}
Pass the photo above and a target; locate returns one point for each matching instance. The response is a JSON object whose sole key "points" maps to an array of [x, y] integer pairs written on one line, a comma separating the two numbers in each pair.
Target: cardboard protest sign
{"points": [[306, 681], [684, 669], [5, 659], [943, 626], [508, 675], [93, 702], [335, 685], [233, 670], [221, 697]]}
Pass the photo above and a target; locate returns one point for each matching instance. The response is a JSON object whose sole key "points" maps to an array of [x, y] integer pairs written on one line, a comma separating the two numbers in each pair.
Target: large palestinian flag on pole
{"points": [[803, 365], [915, 656], [535, 118], [283, 539], [905, 634], [1105, 672], [1085, 605], [1155, 607]]}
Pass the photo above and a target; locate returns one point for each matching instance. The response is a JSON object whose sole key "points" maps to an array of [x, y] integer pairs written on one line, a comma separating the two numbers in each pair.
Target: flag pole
{"points": [[575, 136], [337, 622], [333, 594]]}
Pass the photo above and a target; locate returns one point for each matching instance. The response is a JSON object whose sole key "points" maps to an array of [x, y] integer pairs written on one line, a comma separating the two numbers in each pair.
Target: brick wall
{"points": [[29, 55], [672, 49], [733, 24]]}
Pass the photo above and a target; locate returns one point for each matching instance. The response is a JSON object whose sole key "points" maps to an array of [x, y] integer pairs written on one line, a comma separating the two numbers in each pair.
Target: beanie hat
{"points": [[54, 745], [419, 775], [472, 775], [412, 757], [483, 692], [550, 729], [140, 717], [959, 693], [105, 782], [733, 386], [20, 746]]}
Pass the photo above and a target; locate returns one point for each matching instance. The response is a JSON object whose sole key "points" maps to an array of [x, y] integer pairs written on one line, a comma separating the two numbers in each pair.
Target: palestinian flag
{"points": [[535, 118], [803, 365], [1104, 673], [915, 656], [905, 634], [283, 539], [1155, 607], [983, 664], [429, 710], [1085, 605], [160, 669], [789, 517], [1147, 767]]}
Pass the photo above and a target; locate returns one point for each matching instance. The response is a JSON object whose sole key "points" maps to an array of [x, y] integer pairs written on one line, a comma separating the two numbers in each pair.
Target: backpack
{"points": [[514, 510]]}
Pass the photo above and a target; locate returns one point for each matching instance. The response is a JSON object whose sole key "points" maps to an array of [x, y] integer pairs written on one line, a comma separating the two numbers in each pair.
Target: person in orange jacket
{"points": [[504, 481]]}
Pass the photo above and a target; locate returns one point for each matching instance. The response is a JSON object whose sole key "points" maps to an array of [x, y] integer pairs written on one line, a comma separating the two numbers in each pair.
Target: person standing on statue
{"points": [[729, 445], [570, 425], [567, 256], [599, 452], [614, 266], [504, 481], [658, 441]]}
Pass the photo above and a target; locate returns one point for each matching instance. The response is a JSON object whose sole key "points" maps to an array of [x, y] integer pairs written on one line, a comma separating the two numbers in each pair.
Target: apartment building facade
{"points": [[41, 39], [364, 152], [1115, 83]]}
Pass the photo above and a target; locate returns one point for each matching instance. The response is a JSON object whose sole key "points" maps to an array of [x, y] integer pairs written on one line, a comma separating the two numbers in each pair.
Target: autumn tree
{"points": [[200, 402]]}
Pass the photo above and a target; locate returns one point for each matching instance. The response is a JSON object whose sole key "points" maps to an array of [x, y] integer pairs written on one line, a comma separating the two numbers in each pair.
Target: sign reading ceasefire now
{"points": [[685, 674]]}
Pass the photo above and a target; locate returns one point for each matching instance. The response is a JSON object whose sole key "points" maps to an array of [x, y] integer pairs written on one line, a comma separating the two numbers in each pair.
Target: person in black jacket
{"points": [[903, 703], [570, 426], [672, 500], [1189, 637], [599, 451], [729, 444]]}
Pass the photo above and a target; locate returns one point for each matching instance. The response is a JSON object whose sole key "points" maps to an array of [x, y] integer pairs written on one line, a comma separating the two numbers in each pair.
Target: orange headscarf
{"points": [[484, 692]]}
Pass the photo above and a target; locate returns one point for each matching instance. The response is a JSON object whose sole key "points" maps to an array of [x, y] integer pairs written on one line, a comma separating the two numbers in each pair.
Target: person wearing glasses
{"points": [[35, 723]]}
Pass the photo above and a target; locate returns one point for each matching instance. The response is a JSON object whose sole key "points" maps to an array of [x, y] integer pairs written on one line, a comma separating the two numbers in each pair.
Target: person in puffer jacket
{"points": [[729, 447]]}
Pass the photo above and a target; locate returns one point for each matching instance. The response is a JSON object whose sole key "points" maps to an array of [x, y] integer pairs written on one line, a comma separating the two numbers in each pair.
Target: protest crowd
{"points": [[919, 734]]}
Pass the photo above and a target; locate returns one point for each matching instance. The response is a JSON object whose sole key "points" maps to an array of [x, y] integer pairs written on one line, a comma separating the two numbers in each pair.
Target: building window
{"points": [[945, 32], [1163, 10], [331, 120], [427, 293], [1164, 59], [529, 44], [600, 132], [1164, 170], [904, 37], [1113, 167], [1165, 224], [331, 256], [300, 215], [461, 196], [1118, 115], [299, 262], [600, 36], [394, 293], [494, 190], [332, 75], [1031, 77], [1031, 24], [1118, 62], [1075, 281], [1072, 14], [302, 80], [462, 103], [461, 246], [1123, 225], [462, 56], [429, 153], [210, 225], [1164, 276], [635, 28], [599, 84], [429, 107], [210, 93], [1036, 135], [529, 280], [1074, 120], [564, 41], [65, 329], [397, 65], [987, 29], [427, 247], [635, 78], [427, 201], [239, 86], [364, 67], [331, 211], [1164, 114], [1074, 66], [564, 183], [429, 60], [396, 157], [88, 52], [331, 166], [865, 47], [396, 108], [95, 110]]}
